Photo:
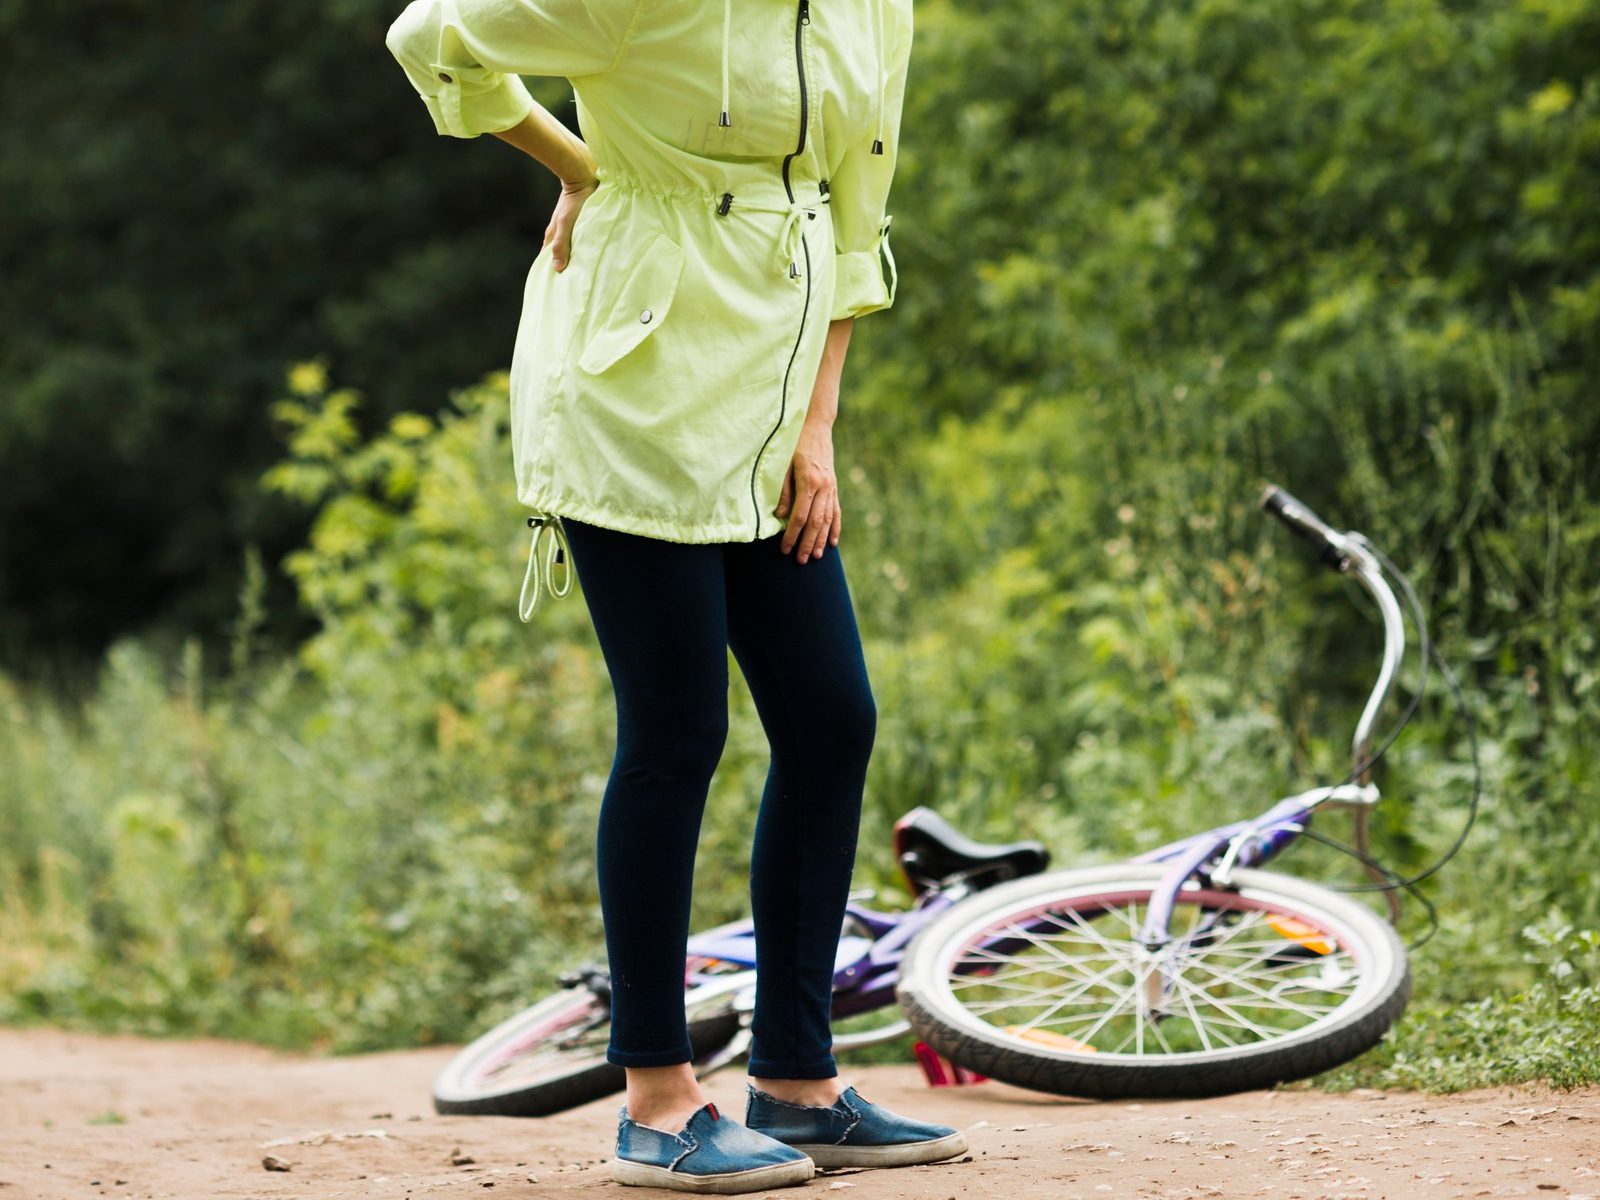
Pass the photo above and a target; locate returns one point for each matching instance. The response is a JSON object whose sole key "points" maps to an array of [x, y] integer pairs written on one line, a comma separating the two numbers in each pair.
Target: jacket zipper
{"points": [[800, 65], [802, 19]]}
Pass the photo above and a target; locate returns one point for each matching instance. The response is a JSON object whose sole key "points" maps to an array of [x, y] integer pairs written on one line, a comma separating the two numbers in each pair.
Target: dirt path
{"points": [[84, 1116]]}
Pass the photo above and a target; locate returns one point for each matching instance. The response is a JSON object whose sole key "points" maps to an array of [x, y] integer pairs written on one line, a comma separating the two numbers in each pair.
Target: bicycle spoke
{"points": [[1194, 1019], [1008, 959], [1239, 979], [1155, 1028], [1093, 934], [1046, 944], [1239, 1019], [1115, 1010], [1067, 971], [1202, 990], [1010, 984], [1136, 1035], [984, 1008], [1103, 978], [1074, 997]]}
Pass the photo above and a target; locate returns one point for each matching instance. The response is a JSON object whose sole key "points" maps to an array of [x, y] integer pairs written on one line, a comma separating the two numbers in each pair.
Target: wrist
{"points": [[820, 418], [824, 405], [580, 170]]}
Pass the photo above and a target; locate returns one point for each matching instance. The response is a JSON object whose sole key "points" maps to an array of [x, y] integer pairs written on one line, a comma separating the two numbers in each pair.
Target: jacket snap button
{"points": [[444, 75], [645, 316]]}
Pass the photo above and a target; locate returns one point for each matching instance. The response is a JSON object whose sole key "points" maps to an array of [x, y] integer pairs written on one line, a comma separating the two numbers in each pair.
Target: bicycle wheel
{"points": [[552, 1056], [864, 1013], [1046, 984], [870, 1027]]}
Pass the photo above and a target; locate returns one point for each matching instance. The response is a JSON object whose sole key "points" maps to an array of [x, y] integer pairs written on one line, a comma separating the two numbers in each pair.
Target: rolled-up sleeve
{"points": [[858, 194], [464, 57]]}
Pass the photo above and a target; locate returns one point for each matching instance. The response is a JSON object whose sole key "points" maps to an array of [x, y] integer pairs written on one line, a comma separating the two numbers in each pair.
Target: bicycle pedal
{"points": [[940, 1071], [591, 976]]}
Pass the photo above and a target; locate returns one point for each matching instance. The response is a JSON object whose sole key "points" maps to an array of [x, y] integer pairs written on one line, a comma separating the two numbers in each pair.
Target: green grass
{"points": [[1547, 1031]]}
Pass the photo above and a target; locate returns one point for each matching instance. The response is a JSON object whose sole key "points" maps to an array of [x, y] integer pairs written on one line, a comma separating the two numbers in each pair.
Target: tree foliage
{"points": [[194, 195]]}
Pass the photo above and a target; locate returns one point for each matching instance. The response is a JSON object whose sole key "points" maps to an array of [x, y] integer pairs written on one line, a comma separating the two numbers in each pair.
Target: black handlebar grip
{"points": [[1299, 518]]}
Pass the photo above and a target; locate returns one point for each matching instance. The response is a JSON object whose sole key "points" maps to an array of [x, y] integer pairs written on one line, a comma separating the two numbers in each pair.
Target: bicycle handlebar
{"points": [[1349, 553], [1330, 546]]}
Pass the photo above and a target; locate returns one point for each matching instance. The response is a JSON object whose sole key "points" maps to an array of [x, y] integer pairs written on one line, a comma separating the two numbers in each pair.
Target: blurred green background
{"points": [[278, 761]]}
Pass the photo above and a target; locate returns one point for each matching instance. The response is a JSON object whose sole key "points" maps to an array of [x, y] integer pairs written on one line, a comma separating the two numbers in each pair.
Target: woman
{"points": [[674, 386]]}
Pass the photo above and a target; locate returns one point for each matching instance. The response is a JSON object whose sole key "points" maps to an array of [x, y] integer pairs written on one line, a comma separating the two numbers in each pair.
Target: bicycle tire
{"points": [[492, 1075], [1328, 932]]}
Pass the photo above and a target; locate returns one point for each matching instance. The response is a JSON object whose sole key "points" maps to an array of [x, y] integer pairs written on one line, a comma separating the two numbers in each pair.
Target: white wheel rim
{"points": [[894, 1026], [1081, 989], [518, 1054], [510, 1058]]}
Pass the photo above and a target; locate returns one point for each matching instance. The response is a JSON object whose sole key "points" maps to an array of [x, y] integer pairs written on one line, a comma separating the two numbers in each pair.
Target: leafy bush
{"points": [[364, 848], [1549, 1030]]}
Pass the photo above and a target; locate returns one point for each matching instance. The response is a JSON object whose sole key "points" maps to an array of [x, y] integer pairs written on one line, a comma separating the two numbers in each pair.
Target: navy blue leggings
{"points": [[665, 614]]}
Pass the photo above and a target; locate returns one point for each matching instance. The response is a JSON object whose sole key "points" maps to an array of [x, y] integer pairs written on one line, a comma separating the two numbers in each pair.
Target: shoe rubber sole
{"points": [[905, 1154], [727, 1183]]}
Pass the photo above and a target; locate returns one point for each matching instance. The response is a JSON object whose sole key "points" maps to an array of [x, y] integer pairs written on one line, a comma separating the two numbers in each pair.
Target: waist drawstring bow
{"points": [[789, 237], [791, 234], [557, 551]]}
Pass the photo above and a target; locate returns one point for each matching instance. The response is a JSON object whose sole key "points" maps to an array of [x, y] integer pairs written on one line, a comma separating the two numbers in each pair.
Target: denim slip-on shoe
{"points": [[711, 1154], [851, 1132]]}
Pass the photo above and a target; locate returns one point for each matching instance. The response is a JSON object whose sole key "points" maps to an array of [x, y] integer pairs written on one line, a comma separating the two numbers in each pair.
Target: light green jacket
{"points": [[745, 153]]}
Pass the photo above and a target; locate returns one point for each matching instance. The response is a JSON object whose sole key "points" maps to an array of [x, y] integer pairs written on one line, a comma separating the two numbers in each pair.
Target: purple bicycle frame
{"points": [[867, 965]]}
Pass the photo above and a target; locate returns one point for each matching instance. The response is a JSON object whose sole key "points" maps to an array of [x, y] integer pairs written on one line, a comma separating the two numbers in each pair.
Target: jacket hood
{"points": [[877, 38]]}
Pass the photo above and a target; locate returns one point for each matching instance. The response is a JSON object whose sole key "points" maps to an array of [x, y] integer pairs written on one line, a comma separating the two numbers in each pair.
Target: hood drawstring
{"points": [[877, 37], [725, 119], [727, 21], [557, 552]]}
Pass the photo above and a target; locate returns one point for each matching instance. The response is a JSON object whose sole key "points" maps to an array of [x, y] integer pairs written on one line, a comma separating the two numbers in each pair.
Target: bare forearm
{"points": [[543, 137], [825, 394]]}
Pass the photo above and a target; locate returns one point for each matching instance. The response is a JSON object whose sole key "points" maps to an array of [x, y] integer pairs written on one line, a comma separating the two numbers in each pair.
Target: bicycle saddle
{"points": [[931, 850]]}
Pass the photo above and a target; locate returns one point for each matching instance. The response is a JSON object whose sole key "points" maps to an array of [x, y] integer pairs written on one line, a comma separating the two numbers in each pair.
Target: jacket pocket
{"points": [[638, 306]]}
